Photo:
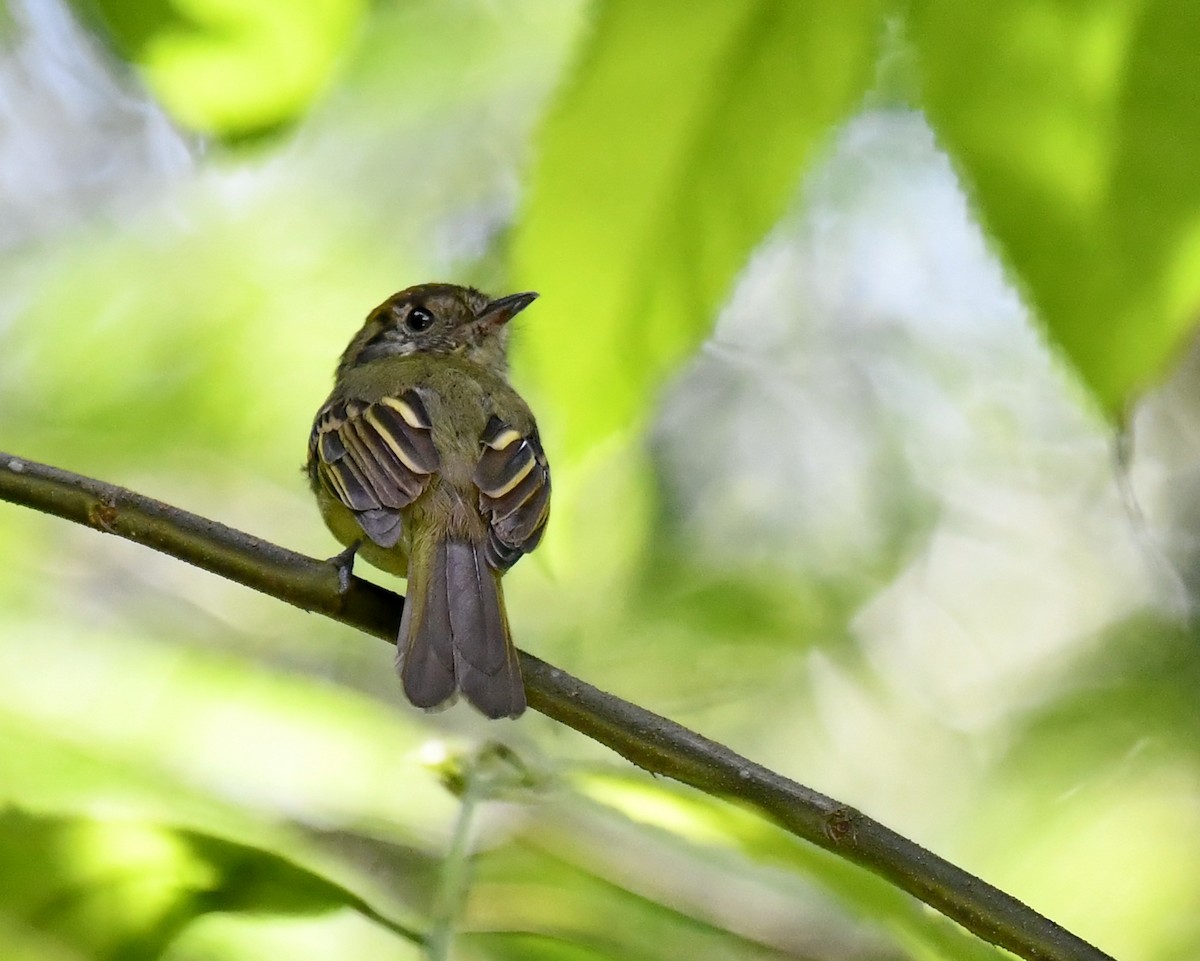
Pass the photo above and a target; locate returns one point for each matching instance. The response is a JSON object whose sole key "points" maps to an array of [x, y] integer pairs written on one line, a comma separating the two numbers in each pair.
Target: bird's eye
{"points": [[418, 319]]}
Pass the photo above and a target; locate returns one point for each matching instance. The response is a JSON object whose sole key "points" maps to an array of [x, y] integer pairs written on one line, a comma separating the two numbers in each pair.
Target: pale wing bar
{"points": [[513, 478], [376, 459]]}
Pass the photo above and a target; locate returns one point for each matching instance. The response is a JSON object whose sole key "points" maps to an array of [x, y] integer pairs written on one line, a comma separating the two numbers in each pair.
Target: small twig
{"points": [[456, 869], [455, 877], [649, 741]]}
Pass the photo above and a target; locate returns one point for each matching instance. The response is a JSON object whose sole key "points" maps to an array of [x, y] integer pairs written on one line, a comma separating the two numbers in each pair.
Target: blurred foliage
{"points": [[869, 537], [659, 168], [113, 889], [1075, 124], [232, 67], [1116, 734]]}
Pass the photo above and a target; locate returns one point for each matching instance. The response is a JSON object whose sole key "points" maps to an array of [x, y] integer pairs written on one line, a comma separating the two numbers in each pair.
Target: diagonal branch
{"points": [[651, 742]]}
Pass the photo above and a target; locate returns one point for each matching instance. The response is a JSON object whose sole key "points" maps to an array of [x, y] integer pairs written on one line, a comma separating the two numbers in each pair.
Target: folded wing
{"points": [[375, 458], [513, 478]]}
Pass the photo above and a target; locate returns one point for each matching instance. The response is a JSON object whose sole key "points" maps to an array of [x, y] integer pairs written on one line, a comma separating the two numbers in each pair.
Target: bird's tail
{"points": [[454, 632]]}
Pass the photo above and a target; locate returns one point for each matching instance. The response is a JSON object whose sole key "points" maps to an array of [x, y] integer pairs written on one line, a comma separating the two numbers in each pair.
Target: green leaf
{"points": [[1075, 125], [125, 889], [674, 149], [106, 890], [232, 67], [138, 736]]}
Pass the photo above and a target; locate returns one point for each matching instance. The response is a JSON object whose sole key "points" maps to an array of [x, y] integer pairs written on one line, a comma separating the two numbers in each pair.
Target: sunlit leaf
{"points": [[673, 150], [333, 936], [154, 735], [110, 891], [162, 720], [232, 66], [125, 889], [1075, 125]]}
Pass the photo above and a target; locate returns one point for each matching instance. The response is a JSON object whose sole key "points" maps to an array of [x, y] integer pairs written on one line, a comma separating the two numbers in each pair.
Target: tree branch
{"points": [[651, 742]]}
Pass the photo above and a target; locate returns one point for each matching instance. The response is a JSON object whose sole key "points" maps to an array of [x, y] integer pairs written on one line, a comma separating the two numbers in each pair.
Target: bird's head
{"points": [[438, 319]]}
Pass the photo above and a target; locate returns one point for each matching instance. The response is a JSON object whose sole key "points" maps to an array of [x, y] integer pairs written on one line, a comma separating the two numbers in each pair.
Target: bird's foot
{"points": [[343, 563]]}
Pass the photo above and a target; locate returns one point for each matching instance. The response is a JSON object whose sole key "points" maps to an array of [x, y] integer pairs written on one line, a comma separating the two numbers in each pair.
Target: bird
{"points": [[427, 463]]}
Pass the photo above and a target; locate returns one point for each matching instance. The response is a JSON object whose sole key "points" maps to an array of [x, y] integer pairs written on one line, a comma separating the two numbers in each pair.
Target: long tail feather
{"points": [[455, 634], [424, 653]]}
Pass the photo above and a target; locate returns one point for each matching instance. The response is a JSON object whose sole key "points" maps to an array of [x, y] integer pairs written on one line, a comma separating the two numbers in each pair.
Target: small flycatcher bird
{"points": [[430, 462]]}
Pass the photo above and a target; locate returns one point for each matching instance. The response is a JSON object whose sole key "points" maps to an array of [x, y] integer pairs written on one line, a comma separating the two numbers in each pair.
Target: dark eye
{"points": [[418, 319]]}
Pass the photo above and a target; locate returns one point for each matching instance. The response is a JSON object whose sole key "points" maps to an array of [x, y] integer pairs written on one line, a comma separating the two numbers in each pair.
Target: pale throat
{"points": [[491, 354]]}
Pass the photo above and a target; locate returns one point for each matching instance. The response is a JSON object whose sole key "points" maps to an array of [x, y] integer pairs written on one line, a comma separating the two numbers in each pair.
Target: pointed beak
{"points": [[504, 309]]}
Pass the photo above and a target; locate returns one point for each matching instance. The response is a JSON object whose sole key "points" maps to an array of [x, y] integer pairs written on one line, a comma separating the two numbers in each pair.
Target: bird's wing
{"points": [[513, 478], [375, 458]]}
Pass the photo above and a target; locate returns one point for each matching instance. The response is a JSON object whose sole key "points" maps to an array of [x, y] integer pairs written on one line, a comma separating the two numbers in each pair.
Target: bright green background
{"points": [[191, 772]]}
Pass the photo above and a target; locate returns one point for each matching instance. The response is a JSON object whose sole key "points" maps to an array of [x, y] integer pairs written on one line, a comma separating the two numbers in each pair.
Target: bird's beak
{"points": [[504, 309]]}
